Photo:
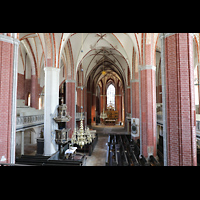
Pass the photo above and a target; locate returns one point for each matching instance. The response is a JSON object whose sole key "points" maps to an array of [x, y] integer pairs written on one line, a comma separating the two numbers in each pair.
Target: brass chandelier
{"points": [[81, 137]]}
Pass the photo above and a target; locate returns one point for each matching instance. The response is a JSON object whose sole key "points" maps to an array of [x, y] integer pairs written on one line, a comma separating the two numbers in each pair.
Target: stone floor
{"points": [[109, 129], [98, 156], [29, 149]]}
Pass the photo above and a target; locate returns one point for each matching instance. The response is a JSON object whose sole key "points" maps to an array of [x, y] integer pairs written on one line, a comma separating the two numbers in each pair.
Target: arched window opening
{"points": [[111, 96], [29, 99]]}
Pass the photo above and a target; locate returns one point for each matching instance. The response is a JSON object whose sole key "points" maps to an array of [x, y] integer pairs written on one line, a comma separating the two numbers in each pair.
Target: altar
{"points": [[110, 122], [112, 116]]}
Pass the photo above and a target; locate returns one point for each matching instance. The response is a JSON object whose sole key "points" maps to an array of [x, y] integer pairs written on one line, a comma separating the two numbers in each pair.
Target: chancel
{"points": [[99, 99]]}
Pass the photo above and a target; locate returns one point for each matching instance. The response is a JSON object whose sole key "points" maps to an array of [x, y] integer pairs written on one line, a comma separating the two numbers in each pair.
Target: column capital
{"points": [[70, 81], [51, 69], [134, 80], [147, 67]]}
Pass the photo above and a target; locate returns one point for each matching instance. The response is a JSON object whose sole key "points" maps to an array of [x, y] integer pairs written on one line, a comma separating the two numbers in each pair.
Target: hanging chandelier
{"points": [[103, 115], [81, 137], [103, 72]]}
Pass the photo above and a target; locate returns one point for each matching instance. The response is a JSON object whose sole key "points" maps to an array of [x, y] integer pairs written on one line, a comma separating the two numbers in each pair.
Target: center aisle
{"points": [[98, 157]]}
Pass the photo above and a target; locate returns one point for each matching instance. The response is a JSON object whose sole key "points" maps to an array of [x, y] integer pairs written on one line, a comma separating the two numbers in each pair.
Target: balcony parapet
{"points": [[29, 121]]}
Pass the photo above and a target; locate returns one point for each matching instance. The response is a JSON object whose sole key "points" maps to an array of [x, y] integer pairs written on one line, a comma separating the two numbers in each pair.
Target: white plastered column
{"points": [[50, 104]]}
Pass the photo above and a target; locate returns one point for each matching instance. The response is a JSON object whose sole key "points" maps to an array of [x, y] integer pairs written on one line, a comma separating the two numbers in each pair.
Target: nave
{"points": [[147, 82]]}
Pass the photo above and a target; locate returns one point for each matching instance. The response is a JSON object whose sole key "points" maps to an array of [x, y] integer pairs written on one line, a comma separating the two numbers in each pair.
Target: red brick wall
{"points": [[70, 102], [93, 109], [20, 87], [88, 107], [27, 89], [135, 100], [79, 99], [26, 86], [148, 54], [129, 100], [180, 100], [158, 95], [148, 110], [35, 91], [6, 74], [118, 100], [84, 97]]}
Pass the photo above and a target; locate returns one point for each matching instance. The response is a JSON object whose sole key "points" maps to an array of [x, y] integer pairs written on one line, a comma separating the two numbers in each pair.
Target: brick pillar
{"points": [[85, 104], [103, 104], [180, 107], [34, 92], [148, 111], [93, 110], [102, 97], [71, 104], [118, 101], [89, 107], [135, 98], [8, 97], [78, 89], [128, 99]]}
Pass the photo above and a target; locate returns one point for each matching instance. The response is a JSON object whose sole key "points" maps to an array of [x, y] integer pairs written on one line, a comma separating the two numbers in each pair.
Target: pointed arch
{"points": [[110, 92], [50, 50]]}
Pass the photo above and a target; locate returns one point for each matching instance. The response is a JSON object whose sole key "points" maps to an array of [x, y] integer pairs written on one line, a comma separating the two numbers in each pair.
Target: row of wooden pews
{"points": [[122, 151], [57, 159]]}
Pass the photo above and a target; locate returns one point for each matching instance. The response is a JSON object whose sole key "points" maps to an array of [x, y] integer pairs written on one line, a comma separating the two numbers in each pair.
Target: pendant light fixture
{"points": [[103, 72], [81, 137]]}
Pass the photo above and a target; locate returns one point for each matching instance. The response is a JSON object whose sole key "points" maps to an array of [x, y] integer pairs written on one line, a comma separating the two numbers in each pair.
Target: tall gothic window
{"points": [[111, 95]]}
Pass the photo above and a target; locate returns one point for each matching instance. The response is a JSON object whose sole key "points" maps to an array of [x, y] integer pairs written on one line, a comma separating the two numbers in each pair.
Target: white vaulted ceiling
{"points": [[114, 47], [34, 46], [91, 48]]}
